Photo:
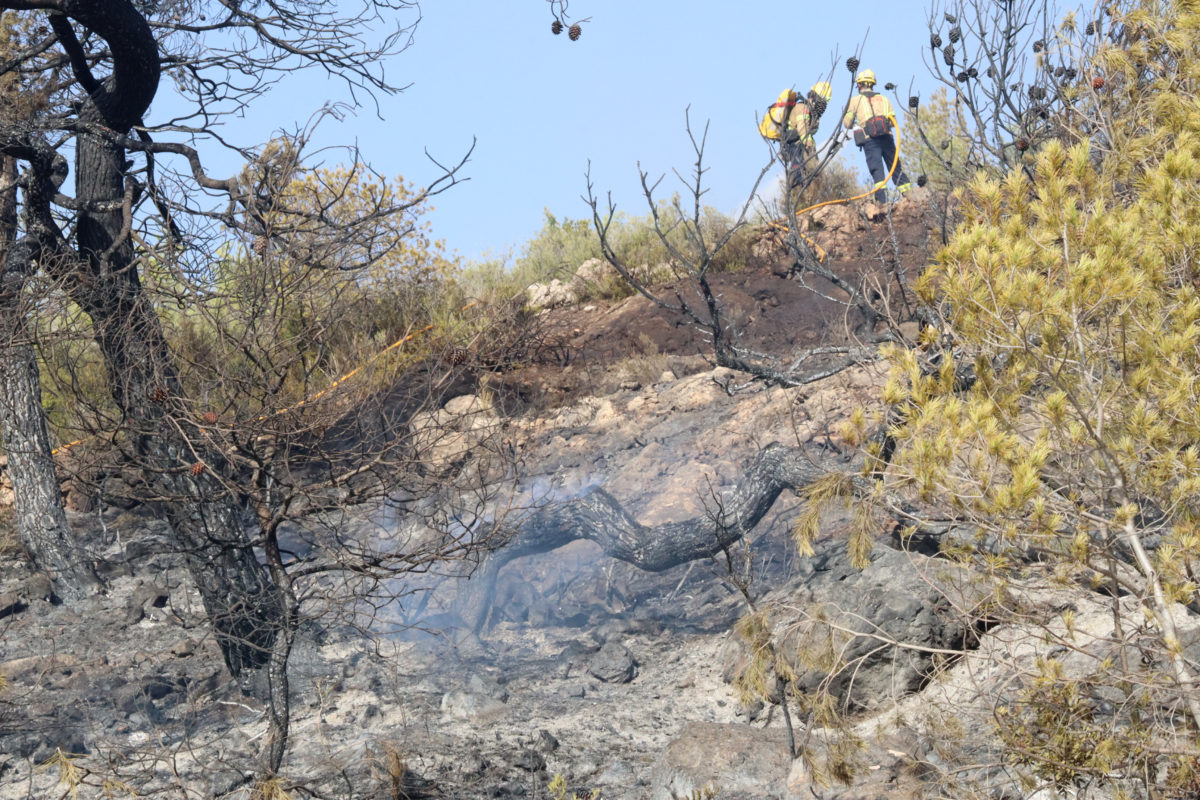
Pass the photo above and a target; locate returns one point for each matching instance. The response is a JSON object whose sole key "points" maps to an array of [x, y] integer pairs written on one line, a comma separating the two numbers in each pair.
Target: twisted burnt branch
{"points": [[600, 518]]}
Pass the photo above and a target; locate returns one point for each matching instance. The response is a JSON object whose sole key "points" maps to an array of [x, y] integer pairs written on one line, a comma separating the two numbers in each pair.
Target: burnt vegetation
{"points": [[264, 360]]}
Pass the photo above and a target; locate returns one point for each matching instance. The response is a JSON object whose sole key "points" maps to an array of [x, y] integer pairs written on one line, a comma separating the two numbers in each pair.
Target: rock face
{"points": [[898, 599], [727, 760]]}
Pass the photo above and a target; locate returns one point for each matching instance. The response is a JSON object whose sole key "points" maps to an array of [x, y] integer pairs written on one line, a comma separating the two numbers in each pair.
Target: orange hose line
{"points": [[402, 340], [779, 223], [410, 336]]}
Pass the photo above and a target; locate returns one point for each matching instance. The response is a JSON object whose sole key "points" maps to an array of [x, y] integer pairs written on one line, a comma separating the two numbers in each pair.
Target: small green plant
{"points": [[559, 791]]}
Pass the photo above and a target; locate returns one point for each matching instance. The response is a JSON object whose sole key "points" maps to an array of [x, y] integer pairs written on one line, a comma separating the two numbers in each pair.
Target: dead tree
{"points": [[1015, 78], [244, 448], [41, 519]]}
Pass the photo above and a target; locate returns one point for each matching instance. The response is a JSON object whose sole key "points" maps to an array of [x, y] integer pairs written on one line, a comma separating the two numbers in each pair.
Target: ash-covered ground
{"points": [[589, 668]]}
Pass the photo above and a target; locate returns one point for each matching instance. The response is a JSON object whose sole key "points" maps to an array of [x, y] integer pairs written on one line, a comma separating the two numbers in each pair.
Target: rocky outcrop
{"points": [[545, 296], [877, 632]]}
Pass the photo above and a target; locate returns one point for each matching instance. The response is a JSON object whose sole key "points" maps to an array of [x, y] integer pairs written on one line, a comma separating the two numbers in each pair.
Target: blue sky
{"points": [[541, 107]]}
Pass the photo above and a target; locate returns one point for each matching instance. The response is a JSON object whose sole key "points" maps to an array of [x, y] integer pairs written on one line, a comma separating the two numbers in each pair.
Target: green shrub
{"points": [[561, 247]]}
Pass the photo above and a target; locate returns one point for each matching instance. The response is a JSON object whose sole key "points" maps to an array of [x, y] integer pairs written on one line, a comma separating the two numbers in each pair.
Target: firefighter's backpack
{"points": [[878, 125], [776, 116]]}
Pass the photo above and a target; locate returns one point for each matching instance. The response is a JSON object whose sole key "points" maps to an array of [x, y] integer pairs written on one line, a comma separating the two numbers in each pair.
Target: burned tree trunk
{"points": [[206, 513], [41, 520], [598, 517]]}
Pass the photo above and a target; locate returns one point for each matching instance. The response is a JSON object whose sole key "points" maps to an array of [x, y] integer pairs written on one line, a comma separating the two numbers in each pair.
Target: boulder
{"points": [[613, 664], [544, 296], [723, 758], [593, 273], [832, 606]]}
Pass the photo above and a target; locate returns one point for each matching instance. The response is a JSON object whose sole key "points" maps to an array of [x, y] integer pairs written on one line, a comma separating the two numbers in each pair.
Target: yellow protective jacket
{"points": [[802, 122], [800, 119], [865, 105]]}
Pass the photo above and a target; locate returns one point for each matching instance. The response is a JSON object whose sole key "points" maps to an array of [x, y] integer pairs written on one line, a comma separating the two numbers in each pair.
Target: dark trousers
{"points": [[794, 155], [879, 152]]}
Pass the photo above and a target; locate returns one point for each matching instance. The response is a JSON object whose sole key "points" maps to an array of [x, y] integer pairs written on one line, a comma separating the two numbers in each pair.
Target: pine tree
{"points": [[1053, 409]]}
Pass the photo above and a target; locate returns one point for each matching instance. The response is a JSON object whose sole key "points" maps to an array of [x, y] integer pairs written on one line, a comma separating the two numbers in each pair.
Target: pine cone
{"points": [[197, 468], [818, 105], [574, 32], [948, 55], [159, 394], [851, 64], [914, 101], [260, 245], [962, 77], [458, 355], [972, 73], [210, 418], [935, 41], [1022, 145], [1039, 46], [556, 27], [955, 34], [1070, 73], [951, 18], [1090, 29], [1098, 83], [1058, 72], [889, 86], [922, 180]]}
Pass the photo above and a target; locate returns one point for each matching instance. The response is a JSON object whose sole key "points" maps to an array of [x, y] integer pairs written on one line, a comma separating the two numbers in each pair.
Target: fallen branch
{"points": [[599, 517]]}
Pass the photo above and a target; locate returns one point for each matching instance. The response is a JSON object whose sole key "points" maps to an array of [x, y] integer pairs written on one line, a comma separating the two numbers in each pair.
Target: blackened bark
{"points": [[279, 697], [207, 518], [41, 519], [598, 517]]}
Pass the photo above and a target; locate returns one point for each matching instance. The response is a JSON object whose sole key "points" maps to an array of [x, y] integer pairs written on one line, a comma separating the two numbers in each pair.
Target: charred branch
{"points": [[600, 518]]}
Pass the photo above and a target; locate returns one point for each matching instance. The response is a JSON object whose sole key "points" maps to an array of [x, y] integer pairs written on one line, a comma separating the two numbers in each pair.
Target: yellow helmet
{"points": [[822, 90], [867, 77]]}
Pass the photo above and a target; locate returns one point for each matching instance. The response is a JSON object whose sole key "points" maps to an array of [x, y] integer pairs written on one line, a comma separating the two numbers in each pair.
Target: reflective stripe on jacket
{"points": [[800, 121], [863, 106]]}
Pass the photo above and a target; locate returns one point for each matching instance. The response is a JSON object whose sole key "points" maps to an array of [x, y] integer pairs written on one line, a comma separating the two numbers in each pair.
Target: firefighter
{"points": [[873, 120], [798, 145], [794, 122]]}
